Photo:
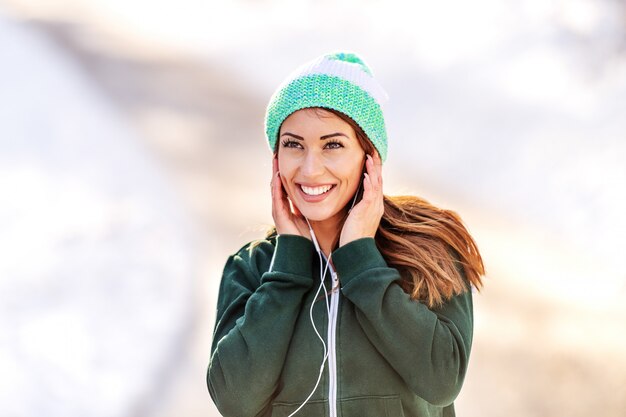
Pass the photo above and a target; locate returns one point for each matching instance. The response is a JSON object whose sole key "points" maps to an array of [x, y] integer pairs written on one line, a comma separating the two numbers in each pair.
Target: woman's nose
{"points": [[312, 165]]}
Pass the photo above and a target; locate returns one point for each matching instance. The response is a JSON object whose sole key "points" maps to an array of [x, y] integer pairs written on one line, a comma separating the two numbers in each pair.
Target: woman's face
{"points": [[320, 162]]}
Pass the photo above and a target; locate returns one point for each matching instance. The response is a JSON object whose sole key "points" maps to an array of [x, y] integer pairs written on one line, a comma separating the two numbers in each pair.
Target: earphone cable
{"points": [[323, 271]]}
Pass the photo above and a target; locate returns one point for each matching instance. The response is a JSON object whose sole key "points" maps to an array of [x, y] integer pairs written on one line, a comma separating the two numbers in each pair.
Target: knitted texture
{"points": [[339, 81]]}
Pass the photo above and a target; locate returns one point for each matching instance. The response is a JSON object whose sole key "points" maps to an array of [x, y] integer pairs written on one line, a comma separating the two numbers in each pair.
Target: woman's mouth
{"points": [[314, 194], [315, 190]]}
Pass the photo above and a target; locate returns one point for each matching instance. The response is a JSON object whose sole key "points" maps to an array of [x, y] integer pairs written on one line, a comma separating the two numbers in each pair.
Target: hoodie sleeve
{"points": [[428, 348], [256, 314]]}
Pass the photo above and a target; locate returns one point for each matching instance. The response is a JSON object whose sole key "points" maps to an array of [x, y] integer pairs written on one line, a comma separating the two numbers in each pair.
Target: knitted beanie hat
{"points": [[340, 81]]}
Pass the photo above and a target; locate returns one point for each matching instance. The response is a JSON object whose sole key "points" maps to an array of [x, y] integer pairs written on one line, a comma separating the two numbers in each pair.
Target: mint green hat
{"points": [[340, 81]]}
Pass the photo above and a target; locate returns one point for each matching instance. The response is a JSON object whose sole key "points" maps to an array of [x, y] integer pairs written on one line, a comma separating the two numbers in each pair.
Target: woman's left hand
{"points": [[364, 218]]}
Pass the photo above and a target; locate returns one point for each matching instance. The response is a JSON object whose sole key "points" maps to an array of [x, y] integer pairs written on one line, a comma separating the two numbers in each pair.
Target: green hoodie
{"points": [[394, 356]]}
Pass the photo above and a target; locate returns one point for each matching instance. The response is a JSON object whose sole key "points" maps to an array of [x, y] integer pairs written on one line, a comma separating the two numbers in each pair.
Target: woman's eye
{"points": [[333, 145], [288, 143]]}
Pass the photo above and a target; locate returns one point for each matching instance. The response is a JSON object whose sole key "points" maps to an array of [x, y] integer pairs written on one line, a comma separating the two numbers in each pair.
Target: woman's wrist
{"points": [[293, 254]]}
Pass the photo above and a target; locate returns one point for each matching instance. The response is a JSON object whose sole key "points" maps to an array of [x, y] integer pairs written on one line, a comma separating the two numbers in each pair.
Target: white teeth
{"points": [[315, 190]]}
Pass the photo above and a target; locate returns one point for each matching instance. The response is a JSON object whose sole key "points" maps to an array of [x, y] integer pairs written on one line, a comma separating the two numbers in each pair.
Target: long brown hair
{"points": [[436, 256]]}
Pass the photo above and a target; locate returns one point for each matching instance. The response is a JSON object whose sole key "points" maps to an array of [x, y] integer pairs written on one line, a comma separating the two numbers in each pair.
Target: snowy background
{"points": [[132, 162]]}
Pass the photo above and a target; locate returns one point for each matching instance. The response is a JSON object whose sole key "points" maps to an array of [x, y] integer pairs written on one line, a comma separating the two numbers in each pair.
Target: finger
{"points": [[275, 191], [378, 163], [367, 187], [378, 169], [377, 160], [274, 170], [279, 199], [369, 164], [374, 173], [284, 197]]}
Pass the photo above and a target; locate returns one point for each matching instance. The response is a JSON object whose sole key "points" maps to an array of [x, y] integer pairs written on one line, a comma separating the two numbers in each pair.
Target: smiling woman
{"points": [[383, 284]]}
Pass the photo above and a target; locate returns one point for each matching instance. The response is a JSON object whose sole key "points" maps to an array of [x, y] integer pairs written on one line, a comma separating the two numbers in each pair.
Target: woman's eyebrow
{"points": [[291, 134], [333, 135]]}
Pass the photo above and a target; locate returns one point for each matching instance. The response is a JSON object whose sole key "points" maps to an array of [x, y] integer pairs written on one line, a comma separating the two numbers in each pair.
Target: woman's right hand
{"points": [[287, 222]]}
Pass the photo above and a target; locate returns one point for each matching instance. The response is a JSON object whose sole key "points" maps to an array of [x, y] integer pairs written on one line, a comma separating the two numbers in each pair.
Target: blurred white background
{"points": [[133, 162]]}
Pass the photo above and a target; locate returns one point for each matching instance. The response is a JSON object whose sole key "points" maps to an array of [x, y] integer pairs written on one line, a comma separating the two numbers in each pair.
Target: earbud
{"points": [[313, 237]]}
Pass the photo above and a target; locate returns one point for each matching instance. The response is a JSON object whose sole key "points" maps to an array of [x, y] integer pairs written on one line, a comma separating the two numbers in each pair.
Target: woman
{"points": [[357, 304]]}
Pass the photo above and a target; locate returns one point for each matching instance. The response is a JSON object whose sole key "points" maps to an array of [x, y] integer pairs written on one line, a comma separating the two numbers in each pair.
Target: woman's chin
{"points": [[315, 217], [321, 215]]}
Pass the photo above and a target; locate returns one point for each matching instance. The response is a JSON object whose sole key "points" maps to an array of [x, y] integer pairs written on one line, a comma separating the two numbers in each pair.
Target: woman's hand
{"points": [[287, 222], [364, 218]]}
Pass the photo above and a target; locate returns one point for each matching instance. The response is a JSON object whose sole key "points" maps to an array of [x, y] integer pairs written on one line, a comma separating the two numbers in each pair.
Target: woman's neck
{"points": [[327, 232]]}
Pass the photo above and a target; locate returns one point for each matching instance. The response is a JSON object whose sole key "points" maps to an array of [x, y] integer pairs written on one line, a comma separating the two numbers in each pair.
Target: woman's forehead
{"points": [[307, 118]]}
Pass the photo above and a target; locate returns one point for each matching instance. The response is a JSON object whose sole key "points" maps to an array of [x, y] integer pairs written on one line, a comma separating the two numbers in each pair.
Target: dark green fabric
{"points": [[395, 357]]}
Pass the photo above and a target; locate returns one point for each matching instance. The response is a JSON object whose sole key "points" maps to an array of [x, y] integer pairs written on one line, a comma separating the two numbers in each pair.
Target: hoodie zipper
{"points": [[332, 355]]}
